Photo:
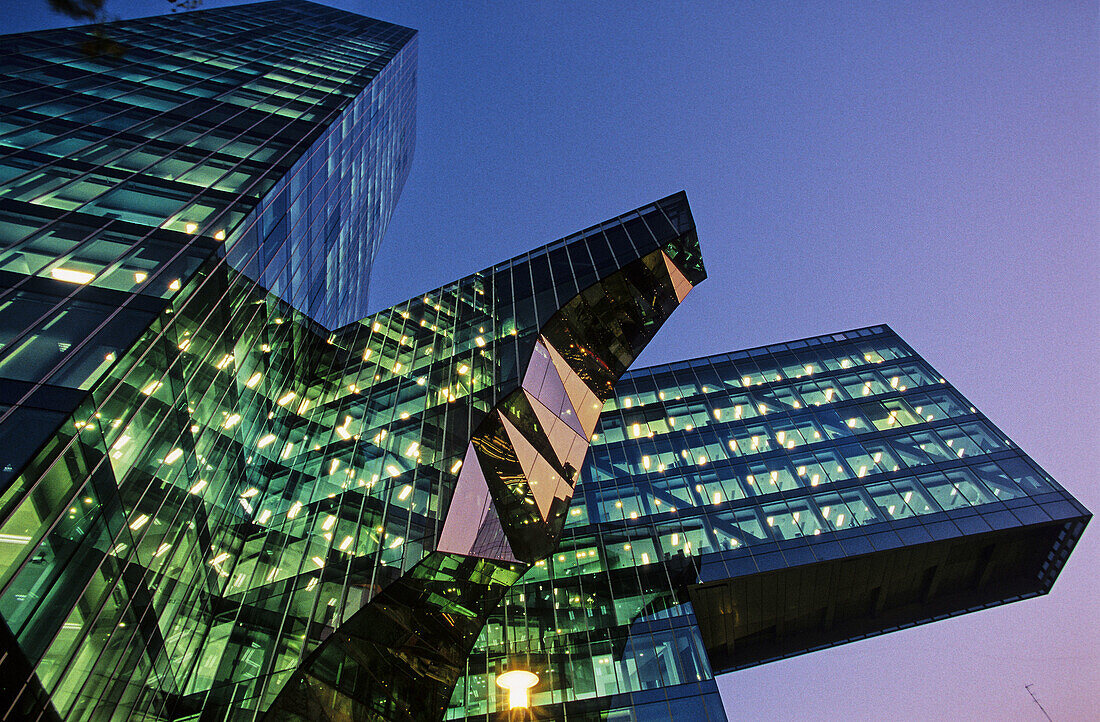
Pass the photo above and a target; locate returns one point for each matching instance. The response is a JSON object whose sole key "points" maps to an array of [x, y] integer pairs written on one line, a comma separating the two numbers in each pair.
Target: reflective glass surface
{"points": [[274, 137], [749, 506], [228, 523]]}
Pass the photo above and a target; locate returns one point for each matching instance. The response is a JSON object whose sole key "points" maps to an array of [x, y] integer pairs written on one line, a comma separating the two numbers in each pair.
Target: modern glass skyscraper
{"points": [[747, 507], [270, 139], [226, 492]]}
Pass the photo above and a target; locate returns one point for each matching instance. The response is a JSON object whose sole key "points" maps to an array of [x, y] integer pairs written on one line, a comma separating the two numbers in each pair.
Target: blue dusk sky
{"points": [[932, 166]]}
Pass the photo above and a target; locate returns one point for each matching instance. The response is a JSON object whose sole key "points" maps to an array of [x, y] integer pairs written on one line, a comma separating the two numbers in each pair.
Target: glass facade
{"points": [[227, 523], [746, 507], [228, 493], [274, 137]]}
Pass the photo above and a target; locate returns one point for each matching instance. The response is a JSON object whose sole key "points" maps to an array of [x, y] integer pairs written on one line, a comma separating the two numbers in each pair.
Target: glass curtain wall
{"points": [[738, 465]]}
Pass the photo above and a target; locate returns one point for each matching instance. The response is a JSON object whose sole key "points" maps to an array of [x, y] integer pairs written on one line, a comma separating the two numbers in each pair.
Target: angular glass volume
{"points": [[258, 515], [746, 507]]}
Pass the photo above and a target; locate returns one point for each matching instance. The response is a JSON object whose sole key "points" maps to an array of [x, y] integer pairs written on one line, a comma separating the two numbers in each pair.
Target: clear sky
{"points": [[933, 166]]}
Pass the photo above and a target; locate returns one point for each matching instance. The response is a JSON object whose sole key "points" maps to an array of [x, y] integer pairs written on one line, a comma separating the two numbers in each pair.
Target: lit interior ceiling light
{"points": [[139, 277], [69, 275], [191, 227]]}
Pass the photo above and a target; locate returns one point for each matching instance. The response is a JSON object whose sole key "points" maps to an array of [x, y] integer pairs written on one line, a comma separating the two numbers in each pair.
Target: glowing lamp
{"points": [[517, 682]]}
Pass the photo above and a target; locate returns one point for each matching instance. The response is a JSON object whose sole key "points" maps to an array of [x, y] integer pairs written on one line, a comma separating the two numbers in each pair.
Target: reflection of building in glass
{"points": [[742, 508], [226, 492]]}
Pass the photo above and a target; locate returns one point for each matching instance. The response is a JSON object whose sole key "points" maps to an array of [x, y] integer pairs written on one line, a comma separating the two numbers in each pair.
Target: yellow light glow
{"points": [[139, 277], [219, 235], [265, 440], [68, 275], [191, 227], [286, 399], [253, 380], [517, 682]]}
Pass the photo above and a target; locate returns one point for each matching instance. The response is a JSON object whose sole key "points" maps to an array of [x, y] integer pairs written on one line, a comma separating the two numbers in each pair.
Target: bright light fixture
{"points": [[68, 275]]}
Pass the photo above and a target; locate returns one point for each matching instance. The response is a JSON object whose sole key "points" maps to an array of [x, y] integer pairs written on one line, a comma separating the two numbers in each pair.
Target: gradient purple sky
{"points": [[933, 166]]}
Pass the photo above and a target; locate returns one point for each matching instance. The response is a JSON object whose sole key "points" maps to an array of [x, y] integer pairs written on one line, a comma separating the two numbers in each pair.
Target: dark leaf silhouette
{"points": [[78, 9]]}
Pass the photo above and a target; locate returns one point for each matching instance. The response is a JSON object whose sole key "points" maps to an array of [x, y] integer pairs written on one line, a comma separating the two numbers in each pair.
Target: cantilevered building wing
{"points": [[746, 507]]}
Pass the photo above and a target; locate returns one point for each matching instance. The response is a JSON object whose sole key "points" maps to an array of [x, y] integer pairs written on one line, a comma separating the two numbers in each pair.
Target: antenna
{"points": [[1036, 700]]}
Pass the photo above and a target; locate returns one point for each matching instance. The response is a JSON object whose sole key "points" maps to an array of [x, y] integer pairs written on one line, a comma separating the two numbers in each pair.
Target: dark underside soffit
{"points": [[762, 617]]}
